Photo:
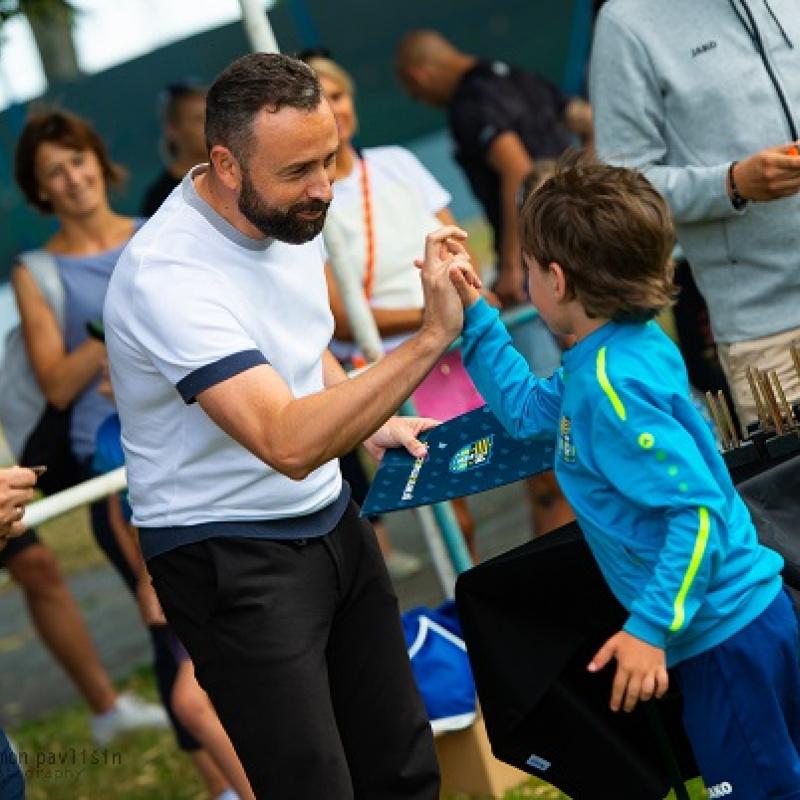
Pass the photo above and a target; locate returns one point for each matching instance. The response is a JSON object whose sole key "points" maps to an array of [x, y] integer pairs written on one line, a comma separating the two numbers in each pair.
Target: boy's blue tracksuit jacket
{"points": [[641, 469]]}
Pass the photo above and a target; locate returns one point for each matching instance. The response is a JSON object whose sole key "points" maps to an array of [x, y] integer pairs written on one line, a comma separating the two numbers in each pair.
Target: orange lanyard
{"points": [[369, 275]]}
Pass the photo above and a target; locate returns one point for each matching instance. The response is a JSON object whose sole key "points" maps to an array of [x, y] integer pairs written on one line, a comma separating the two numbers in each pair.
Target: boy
{"points": [[639, 466]]}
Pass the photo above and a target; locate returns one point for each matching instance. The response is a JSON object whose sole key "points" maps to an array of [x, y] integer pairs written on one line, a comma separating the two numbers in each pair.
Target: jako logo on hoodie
{"points": [[703, 48]]}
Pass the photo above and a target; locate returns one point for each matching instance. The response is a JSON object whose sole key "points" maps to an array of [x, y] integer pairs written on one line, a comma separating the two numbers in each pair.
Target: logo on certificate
{"points": [[472, 456]]}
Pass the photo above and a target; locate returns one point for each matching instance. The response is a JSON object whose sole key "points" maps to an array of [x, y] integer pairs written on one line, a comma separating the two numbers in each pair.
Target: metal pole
{"points": [[365, 331], [437, 522], [257, 27], [448, 526], [431, 532]]}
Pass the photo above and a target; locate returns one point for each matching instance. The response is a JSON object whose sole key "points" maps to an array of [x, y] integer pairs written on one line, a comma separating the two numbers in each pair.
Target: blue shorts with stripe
{"points": [[742, 709]]}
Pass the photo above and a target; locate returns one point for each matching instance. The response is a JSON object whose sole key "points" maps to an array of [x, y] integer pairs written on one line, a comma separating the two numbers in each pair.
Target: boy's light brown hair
{"points": [[612, 234]]}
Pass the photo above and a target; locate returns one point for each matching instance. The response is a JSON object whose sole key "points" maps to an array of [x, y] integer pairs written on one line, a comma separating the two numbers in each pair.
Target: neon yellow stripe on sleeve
{"points": [[691, 573], [605, 384]]}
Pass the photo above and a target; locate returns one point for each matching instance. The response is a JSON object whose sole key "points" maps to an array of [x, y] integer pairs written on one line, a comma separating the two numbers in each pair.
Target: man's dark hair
{"points": [[174, 95], [254, 82]]}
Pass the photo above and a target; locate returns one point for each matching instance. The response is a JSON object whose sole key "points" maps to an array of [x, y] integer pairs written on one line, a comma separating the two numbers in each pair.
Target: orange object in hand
{"points": [[793, 150]]}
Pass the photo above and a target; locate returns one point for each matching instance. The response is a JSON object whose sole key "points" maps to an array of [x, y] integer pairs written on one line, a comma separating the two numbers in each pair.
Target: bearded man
{"points": [[233, 415]]}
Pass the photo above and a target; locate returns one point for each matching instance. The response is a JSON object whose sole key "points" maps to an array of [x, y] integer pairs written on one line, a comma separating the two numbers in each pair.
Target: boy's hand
{"points": [[468, 294], [445, 254], [441, 246], [641, 670]]}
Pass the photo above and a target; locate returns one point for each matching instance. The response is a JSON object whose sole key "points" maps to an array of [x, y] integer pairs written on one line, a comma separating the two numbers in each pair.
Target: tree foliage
{"points": [[42, 9], [52, 23]]}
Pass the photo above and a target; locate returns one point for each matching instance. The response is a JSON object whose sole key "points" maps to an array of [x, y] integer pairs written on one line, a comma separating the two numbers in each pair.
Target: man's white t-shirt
{"points": [[193, 302]]}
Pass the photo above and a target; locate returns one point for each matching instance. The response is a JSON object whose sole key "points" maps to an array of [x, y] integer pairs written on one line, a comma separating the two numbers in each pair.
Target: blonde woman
{"points": [[384, 204]]}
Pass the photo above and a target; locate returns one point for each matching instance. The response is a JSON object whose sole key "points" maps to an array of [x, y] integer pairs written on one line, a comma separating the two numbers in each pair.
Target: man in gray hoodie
{"points": [[704, 98]]}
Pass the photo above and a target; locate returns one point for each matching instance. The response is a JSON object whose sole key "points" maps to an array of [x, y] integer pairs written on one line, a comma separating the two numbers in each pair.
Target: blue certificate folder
{"points": [[467, 454]]}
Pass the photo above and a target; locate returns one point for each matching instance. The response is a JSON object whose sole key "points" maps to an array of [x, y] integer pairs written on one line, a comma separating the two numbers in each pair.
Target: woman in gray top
{"points": [[64, 170]]}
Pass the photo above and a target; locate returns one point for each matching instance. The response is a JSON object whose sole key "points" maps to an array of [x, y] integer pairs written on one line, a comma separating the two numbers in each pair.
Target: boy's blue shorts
{"points": [[742, 709]]}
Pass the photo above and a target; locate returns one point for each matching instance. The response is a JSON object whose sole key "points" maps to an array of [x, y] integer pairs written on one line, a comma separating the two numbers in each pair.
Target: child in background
{"points": [[189, 703], [641, 469]]}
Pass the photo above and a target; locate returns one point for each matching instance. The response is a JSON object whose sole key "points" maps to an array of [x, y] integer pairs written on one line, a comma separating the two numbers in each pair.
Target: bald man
{"points": [[505, 123], [508, 126]]}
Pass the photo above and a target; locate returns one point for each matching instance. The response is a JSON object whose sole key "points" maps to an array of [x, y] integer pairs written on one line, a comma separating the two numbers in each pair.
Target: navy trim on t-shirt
{"points": [[212, 374], [157, 541]]}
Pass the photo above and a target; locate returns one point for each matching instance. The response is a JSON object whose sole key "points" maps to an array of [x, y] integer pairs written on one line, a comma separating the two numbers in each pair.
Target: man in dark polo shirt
{"points": [[508, 126], [182, 109], [505, 123]]}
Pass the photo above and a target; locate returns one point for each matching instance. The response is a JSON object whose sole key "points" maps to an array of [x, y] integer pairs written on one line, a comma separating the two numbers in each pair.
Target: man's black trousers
{"points": [[300, 648]]}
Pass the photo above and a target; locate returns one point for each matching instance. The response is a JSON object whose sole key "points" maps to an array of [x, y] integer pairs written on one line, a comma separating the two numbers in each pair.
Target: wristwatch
{"points": [[737, 201]]}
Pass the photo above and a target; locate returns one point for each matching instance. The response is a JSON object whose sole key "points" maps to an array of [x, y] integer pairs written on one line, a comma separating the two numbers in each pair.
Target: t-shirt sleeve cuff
{"points": [[211, 374]]}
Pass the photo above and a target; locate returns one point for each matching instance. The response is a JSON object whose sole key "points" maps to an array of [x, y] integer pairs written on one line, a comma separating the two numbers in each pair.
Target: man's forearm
{"points": [[322, 426], [356, 408]]}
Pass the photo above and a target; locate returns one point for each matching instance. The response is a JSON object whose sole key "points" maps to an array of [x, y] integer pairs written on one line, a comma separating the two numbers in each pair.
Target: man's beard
{"points": [[285, 226]]}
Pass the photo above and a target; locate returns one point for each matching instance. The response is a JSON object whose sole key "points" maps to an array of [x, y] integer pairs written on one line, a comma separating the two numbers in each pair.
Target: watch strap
{"points": [[737, 201]]}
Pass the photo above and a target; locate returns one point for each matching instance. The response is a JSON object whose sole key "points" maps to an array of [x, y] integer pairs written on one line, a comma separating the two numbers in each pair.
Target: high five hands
{"points": [[445, 262]]}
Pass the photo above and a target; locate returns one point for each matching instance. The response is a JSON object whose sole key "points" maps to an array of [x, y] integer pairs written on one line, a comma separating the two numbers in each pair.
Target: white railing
{"points": [[56, 505]]}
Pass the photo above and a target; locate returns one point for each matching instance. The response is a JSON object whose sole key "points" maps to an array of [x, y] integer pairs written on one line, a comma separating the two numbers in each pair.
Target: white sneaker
{"points": [[129, 713], [402, 565]]}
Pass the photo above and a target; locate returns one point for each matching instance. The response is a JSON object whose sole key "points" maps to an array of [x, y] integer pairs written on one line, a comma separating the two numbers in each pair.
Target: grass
{"points": [[62, 763], [71, 538]]}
